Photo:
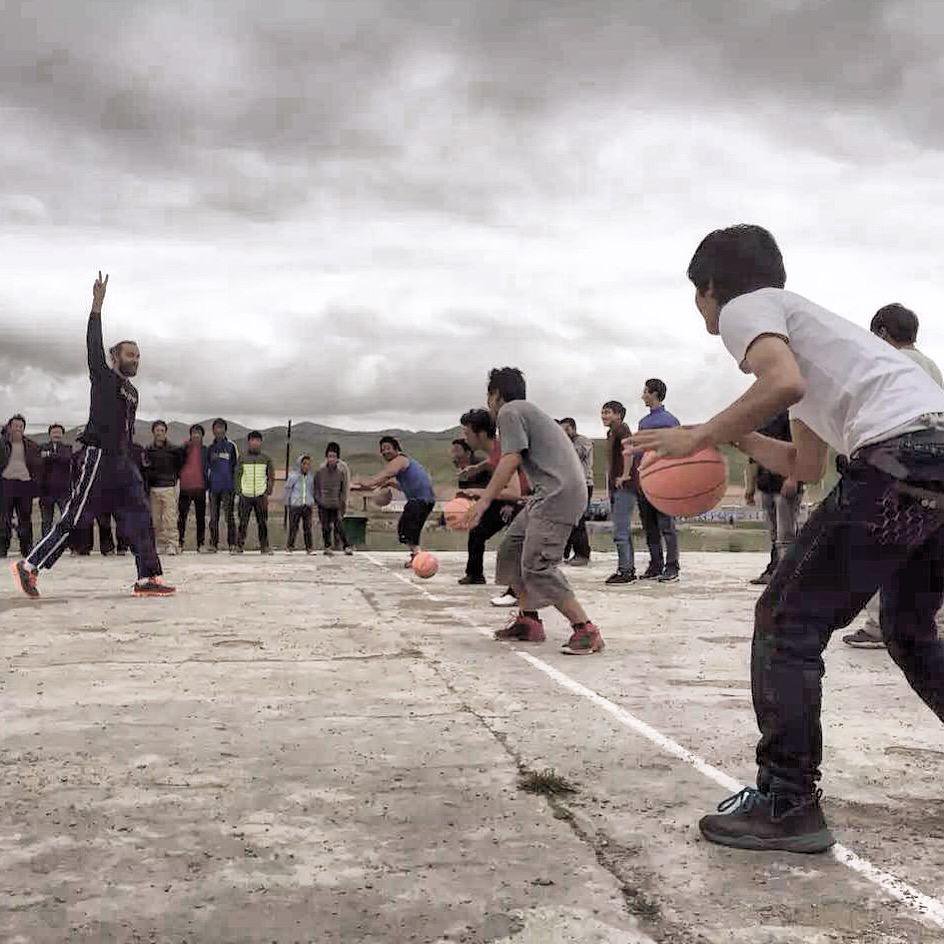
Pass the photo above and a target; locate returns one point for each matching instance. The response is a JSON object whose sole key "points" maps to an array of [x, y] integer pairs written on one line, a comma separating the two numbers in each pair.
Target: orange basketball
{"points": [[425, 565], [458, 511], [683, 487]]}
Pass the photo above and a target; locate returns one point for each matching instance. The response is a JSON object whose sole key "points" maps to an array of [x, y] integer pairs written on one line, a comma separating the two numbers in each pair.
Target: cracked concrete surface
{"points": [[308, 749]]}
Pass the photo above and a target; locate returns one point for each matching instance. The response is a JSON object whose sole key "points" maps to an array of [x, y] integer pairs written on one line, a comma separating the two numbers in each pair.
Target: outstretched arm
{"points": [[386, 474], [97, 362]]}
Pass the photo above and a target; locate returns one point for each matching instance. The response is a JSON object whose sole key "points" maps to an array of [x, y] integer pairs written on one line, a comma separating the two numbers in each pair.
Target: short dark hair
{"points": [[17, 416], [255, 434], [53, 426], [393, 442], [508, 383], [900, 323], [197, 426], [462, 444], [569, 421], [219, 421], [333, 447], [737, 260], [115, 349], [658, 387], [479, 421], [614, 406], [157, 423], [303, 458]]}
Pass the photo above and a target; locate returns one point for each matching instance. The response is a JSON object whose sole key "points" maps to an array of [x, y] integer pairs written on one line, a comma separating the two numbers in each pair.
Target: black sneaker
{"points": [[768, 821], [621, 577], [25, 579], [467, 580], [862, 639], [764, 578], [669, 575], [651, 573], [578, 561]]}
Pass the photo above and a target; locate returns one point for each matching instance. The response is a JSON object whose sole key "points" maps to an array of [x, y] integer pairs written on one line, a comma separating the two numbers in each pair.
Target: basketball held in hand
{"points": [[686, 486], [458, 513]]}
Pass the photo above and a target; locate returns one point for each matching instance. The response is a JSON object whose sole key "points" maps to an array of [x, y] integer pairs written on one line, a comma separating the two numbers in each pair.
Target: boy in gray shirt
{"points": [[529, 556]]}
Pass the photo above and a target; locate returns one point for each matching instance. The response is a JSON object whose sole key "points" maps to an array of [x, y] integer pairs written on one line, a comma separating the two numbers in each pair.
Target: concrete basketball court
{"points": [[309, 749]]}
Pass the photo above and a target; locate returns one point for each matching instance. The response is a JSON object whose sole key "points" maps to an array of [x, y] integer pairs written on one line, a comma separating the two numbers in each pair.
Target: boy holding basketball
{"points": [[881, 527], [530, 554]]}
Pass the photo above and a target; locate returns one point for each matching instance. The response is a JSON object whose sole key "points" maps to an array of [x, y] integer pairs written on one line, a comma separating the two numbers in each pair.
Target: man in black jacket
{"points": [[162, 463], [109, 479], [56, 457]]}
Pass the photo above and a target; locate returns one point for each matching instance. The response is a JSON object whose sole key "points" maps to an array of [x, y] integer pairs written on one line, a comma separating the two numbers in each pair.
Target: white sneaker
{"points": [[506, 599], [170, 550]]}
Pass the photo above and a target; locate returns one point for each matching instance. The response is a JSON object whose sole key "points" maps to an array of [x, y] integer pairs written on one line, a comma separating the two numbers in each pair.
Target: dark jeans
{"points": [[410, 525], [225, 502], [300, 515], [260, 508], [22, 508], [107, 484], [579, 540], [106, 538], [47, 510], [659, 528], [869, 533], [332, 527], [199, 501], [492, 522]]}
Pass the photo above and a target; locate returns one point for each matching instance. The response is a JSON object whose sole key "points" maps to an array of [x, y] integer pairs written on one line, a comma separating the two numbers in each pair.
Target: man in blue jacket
{"points": [[222, 459], [659, 527]]}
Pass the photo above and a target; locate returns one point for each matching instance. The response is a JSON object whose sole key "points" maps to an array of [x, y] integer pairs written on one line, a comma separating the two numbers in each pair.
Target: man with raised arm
{"points": [[109, 479]]}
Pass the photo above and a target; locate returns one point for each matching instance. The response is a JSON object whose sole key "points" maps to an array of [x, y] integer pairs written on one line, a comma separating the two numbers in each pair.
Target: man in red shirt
{"points": [[193, 486]]}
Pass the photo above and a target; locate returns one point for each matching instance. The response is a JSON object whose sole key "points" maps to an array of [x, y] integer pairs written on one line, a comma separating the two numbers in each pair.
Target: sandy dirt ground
{"points": [[330, 750]]}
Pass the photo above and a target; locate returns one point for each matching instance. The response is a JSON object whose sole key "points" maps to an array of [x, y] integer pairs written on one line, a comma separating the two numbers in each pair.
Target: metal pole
{"points": [[288, 459]]}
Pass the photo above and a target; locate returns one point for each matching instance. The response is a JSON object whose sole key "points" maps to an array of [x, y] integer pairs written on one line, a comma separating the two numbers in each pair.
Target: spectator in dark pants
{"points": [[222, 459], [56, 484], [21, 480], [478, 427], [579, 541], [659, 527], [299, 499], [193, 487], [255, 479], [330, 491]]}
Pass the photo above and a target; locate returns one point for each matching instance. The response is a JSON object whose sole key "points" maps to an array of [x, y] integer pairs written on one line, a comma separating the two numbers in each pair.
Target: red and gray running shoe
{"points": [[25, 579], [521, 628], [153, 587]]}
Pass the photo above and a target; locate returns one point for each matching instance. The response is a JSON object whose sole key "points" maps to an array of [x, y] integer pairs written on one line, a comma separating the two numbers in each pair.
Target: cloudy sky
{"points": [[348, 211]]}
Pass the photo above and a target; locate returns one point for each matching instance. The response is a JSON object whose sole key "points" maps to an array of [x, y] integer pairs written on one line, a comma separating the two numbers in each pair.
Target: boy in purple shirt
{"points": [[659, 527]]}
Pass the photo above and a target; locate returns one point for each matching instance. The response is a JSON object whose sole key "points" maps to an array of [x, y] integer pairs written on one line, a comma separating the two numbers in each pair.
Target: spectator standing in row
{"points": [[193, 487], [255, 479], [659, 527], [299, 499], [622, 493], [222, 460], [331, 485], [780, 499], [56, 457], [21, 481], [162, 463], [579, 542]]}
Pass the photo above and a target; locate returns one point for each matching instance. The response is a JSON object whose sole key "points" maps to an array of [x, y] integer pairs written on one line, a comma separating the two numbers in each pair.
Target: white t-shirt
{"points": [[858, 387], [925, 363]]}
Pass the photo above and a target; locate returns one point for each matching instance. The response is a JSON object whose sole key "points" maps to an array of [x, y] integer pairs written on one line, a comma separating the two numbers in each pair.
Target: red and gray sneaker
{"points": [[521, 628], [25, 579], [153, 587], [583, 641]]}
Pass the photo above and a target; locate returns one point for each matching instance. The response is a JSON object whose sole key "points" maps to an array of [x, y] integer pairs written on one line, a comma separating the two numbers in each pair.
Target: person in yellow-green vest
{"points": [[300, 499], [255, 478]]}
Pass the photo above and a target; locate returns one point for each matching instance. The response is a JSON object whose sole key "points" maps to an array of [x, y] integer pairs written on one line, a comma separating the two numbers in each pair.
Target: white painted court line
{"points": [[931, 910]]}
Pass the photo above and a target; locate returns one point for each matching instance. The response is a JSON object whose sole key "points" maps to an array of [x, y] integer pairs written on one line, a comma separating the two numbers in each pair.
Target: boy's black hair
{"points": [[569, 420], [463, 444], [737, 260], [900, 323], [255, 434], [303, 458], [53, 426], [17, 416], [219, 421], [157, 423], [657, 387], [508, 383], [393, 442], [614, 406], [479, 421], [199, 426], [333, 447]]}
